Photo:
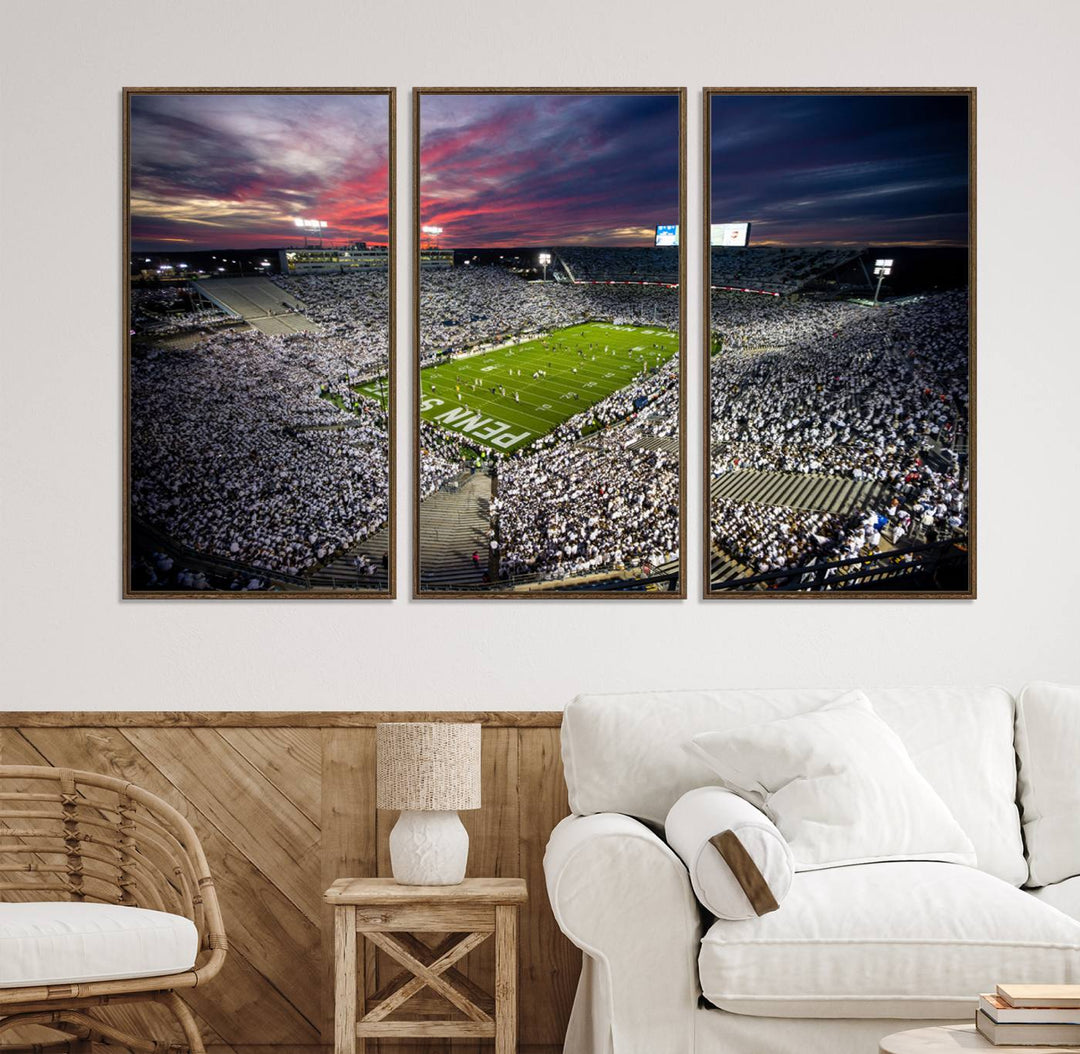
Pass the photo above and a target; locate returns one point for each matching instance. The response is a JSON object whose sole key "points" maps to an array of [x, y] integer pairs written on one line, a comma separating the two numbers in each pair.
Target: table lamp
{"points": [[428, 770]]}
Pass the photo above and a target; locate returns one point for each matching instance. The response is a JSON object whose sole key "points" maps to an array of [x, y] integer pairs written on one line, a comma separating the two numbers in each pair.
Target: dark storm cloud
{"points": [[834, 169], [229, 171], [549, 169]]}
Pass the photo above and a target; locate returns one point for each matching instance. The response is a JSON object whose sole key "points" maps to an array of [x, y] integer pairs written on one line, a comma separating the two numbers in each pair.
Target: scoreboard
{"points": [[667, 235], [735, 234]]}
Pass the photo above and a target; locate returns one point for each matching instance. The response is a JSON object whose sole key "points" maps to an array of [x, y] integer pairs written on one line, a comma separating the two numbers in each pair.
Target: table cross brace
{"points": [[410, 953]]}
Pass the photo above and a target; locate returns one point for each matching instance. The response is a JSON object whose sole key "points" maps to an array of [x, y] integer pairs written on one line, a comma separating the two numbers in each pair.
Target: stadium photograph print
{"points": [[258, 282], [549, 308], [840, 429]]}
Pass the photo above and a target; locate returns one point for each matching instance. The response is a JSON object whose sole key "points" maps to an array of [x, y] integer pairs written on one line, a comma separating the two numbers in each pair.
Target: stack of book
{"points": [[1031, 1015]]}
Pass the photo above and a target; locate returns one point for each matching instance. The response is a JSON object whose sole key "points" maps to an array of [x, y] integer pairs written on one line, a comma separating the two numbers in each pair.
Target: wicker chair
{"points": [[79, 836]]}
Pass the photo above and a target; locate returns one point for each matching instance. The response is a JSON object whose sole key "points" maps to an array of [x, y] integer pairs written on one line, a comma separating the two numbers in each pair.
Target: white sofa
{"points": [[853, 953]]}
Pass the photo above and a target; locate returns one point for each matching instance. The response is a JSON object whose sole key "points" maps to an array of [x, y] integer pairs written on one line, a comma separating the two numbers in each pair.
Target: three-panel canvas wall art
{"points": [[544, 384]]}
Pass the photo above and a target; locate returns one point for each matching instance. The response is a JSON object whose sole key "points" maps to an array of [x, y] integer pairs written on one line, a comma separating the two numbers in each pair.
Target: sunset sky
{"points": [[842, 169], [220, 171], [533, 170]]}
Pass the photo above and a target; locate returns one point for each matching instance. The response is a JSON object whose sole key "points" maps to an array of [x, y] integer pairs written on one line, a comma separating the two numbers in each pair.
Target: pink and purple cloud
{"points": [[223, 170], [526, 170]]}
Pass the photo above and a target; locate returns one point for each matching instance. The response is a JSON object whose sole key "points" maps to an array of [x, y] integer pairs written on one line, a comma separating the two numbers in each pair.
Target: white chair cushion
{"points": [[57, 942], [1047, 744], [891, 940], [627, 752], [840, 786]]}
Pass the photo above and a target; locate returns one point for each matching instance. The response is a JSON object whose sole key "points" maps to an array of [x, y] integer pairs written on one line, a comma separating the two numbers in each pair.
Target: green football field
{"points": [[507, 398]]}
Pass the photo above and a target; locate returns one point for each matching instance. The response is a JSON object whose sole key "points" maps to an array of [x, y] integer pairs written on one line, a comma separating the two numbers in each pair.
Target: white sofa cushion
{"points": [[627, 752], [839, 785], [1047, 745], [1065, 896], [60, 942], [728, 889], [901, 939]]}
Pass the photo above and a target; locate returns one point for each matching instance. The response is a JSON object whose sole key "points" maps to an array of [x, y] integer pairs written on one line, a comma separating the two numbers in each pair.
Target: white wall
{"points": [[67, 640]]}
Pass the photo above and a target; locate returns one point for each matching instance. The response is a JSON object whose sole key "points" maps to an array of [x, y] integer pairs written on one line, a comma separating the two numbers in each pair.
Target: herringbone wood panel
{"points": [[284, 810]]}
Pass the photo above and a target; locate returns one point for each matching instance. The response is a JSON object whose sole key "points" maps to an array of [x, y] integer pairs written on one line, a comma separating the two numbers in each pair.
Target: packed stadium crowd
{"points": [[476, 307], [594, 506], [440, 458], [837, 389], [243, 446], [353, 310], [159, 570]]}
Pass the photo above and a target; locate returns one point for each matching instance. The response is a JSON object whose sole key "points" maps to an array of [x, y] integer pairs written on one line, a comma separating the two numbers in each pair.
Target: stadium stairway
{"points": [[340, 573], [668, 444], [797, 490], [723, 567], [453, 525]]}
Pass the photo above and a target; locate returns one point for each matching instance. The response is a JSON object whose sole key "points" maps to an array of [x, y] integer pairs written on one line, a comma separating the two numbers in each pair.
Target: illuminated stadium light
{"points": [[431, 232], [544, 259], [312, 228], [881, 269]]}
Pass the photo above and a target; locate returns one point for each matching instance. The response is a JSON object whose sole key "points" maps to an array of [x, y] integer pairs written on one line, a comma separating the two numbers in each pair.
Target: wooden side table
{"points": [[388, 914]]}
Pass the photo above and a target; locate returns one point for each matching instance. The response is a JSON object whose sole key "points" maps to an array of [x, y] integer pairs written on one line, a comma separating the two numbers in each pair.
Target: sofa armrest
{"points": [[622, 896]]}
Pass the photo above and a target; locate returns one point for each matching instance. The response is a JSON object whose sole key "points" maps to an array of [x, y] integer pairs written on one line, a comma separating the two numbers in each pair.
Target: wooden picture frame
{"points": [[879, 576], [339, 573], [668, 584]]}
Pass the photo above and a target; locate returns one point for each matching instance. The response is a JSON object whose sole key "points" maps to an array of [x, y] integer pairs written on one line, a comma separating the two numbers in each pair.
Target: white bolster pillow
{"points": [[740, 865]]}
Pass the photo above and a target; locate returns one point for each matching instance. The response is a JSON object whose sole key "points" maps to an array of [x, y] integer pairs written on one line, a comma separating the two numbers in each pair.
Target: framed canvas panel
{"points": [[549, 300], [839, 255], [259, 342]]}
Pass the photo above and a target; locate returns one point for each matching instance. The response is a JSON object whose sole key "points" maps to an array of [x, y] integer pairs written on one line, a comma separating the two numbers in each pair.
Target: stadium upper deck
{"points": [[619, 265], [773, 269]]}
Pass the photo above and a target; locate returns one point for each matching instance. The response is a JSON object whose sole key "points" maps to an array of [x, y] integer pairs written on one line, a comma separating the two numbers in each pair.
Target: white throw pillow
{"points": [[739, 864], [839, 785], [1048, 745]]}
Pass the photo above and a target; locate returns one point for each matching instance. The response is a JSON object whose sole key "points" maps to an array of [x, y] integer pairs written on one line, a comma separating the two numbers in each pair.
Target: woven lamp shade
{"points": [[427, 766]]}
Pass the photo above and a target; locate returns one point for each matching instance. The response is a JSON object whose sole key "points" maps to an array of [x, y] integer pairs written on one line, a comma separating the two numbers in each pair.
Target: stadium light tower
{"points": [[311, 228], [432, 233], [881, 269], [544, 259]]}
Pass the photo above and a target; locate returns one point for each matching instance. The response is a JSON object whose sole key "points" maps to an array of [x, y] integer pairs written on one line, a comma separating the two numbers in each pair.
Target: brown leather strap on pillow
{"points": [[745, 871]]}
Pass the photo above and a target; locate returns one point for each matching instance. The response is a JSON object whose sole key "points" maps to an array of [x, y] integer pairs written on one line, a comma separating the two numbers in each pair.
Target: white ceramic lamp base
{"points": [[429, 849]]}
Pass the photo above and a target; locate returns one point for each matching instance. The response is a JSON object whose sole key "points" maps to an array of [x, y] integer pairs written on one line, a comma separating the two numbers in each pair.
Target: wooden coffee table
{"points": [[946, 1039]]}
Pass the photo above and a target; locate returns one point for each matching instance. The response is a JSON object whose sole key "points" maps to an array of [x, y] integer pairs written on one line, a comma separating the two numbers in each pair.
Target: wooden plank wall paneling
{"points": [[284, 804]]}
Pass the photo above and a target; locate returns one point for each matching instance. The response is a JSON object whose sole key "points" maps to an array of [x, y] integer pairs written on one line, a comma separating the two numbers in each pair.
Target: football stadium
{"points": [[839, 420], [549, 421]]}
